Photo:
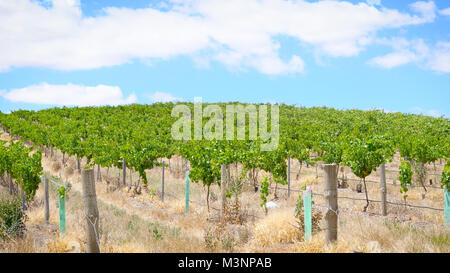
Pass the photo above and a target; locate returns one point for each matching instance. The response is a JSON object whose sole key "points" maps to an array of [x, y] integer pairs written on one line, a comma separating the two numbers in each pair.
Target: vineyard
{"points": [[237, 187]]}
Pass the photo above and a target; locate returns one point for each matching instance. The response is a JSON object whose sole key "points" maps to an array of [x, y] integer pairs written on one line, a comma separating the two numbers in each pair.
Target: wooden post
{"points": [[10, 184], [162, 183], [78, 165], [91, 211], [289, 177], [99, 175], [223, 190], [187, 191], [46, 203], [24, 200], [124, 169], [330, 193], [383, 189]]}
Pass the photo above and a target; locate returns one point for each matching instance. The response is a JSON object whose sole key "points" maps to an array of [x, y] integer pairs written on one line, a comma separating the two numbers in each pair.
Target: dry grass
{"points": [[19, 245], [276, 228], [379, 235]]}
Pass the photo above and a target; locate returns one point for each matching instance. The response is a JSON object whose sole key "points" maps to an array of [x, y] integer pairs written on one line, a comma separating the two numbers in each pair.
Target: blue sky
{"points": [[393, 55]]}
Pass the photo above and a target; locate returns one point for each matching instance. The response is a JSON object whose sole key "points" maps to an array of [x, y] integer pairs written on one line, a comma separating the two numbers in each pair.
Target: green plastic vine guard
{"points": [[187, 192], [62, 214], [446, 207], [307, 208]]}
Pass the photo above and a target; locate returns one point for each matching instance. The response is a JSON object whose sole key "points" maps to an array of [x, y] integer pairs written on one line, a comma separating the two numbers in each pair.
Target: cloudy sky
{"points": [[364, 54]]}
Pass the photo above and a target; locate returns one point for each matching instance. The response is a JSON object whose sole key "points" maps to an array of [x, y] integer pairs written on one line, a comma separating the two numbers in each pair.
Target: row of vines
{"points": [[141, 134], [21, 164]]}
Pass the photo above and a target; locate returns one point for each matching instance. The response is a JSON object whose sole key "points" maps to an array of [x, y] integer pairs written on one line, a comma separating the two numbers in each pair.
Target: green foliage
{"points": [[156, 234], [405, 177], [235, 187], [62, 192], [365, 155], [264, 191], [151, 192], [445, 180], [299, 206], [141, 134], [23, 166], [12, 218]]}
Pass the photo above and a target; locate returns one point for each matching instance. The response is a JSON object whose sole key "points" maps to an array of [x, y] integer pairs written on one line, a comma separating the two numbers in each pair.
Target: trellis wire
{"points": [[390, 184], [378, 201], [362, 199]]}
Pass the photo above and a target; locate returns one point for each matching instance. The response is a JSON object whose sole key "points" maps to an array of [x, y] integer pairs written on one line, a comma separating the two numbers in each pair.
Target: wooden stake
{"points": [[10, 184], [91, 211], [46, 203], [124, 169], [99, 175], [223, 190], [24, 200], [330, 193], [289, 177], [383, 189]]}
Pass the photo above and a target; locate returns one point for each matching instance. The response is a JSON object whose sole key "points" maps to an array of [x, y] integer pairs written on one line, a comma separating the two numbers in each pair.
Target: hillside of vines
{"points": [[140, 134], [139, 138]]}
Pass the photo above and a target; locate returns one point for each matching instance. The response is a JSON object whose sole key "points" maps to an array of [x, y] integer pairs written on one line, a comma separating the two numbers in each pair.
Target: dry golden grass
{"points": [[63, 244], [379, 235], [19, 245], [276, 228]]}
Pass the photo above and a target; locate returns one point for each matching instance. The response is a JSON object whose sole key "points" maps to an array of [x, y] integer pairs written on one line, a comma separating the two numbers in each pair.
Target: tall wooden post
{"points": [[124, 169], [289, 177], [383, 189], [330, 193], [223, 190], [162, 182], [91, 211], [46, 203]]}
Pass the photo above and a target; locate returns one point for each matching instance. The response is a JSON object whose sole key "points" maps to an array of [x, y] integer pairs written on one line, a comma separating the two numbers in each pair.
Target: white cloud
{"points": [[439, 60], [374, 2], [428, 9], [69, 94], [393, 59], [404, 52], [445, 11], [381, 109], [432, 112], [163, 97], [238, 33], [436, 58]]}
